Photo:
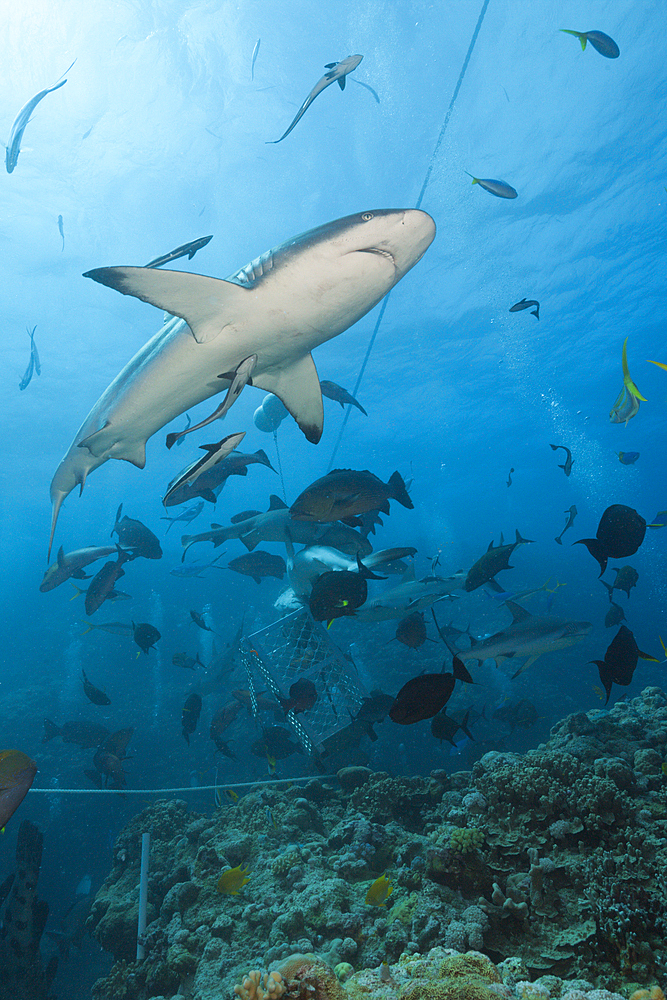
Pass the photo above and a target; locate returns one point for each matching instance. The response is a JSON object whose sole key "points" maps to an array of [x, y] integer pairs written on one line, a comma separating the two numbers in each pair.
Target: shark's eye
{"points": [[367, 216]]}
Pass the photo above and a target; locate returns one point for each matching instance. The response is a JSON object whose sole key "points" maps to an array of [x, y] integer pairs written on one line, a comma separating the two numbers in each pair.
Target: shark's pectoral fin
{"points": [[341, 82], [297, 386], [529, 662], [101, 444], [207, 305]]}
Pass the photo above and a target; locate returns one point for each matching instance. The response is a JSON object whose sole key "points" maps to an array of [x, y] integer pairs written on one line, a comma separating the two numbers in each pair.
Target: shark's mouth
{"points": [[380, 253]]}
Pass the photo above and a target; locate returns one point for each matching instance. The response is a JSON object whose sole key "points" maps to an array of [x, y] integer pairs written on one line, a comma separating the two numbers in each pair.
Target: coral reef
{"points": [[549, 858]]}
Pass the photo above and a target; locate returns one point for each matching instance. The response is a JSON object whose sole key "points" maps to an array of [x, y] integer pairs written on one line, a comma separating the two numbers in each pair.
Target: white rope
{"points": [[172, 791]]}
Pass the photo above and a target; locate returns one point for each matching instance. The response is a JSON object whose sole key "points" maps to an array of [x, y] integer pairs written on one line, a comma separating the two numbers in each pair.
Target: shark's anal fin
{"points": [[297, 386], [207, 305]]}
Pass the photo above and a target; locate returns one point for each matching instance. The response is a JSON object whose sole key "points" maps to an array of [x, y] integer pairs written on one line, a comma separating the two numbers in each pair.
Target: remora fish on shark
{"points": [[214, 453], [280, 307], [186, 250]]}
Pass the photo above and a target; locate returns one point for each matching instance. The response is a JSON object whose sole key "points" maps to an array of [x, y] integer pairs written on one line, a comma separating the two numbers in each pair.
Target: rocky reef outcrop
{"points": [[557, 857]]}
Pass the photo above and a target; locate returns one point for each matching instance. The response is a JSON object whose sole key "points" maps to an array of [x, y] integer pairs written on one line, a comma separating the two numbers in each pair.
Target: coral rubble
{"points": [[547, 862]]}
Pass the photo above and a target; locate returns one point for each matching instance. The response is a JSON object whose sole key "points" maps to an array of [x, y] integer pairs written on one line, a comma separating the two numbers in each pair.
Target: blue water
{"points": [[159, 137]]}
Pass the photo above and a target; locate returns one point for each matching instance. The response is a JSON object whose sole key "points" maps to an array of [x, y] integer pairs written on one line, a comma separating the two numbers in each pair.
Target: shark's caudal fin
{"points": [[207, 305], [297, 386]]}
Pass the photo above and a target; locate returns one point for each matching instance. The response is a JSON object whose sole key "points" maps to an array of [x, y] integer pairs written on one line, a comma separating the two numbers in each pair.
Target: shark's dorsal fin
{"points": [[207, 305], [297, 386], [490, 545], [61, 556], [518, 613], [275, 503]]}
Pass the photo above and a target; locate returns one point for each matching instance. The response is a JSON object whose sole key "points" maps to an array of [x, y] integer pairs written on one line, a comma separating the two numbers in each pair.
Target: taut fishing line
{"points": [[427, 178]]}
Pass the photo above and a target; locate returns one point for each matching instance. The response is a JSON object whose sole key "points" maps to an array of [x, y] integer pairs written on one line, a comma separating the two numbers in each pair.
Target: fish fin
{"points": [[627, 381], [460, 671], [60, 558], [341, 82], [658, 363], [529, 662], [79, 574], [609, 588], [101, 443], [275, 503], [494, 585], [647, 656], [206, 304], [330, 65], [526, 541], [475, 180], [578, 34], [518, 613], [209, 495], [399, 490], [297, 386]]}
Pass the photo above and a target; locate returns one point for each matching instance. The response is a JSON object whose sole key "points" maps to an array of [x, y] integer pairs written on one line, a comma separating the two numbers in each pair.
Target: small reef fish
{"points": [[602, 43], [61, 231], [620, 660], [627, 457], [254, 59], [337, 72], [34, 367], [620, 533], [569, 461], [186, 662], [22, 119], [17, 773], [345, 492], [445, 728], [199, 621], [145, 635], [627, 403], [500, 188], [214, 453], [186, 516], [379, 892], [94, 694], [572, 513], [190, 716], [494, 560], [526, 304], [302, 697], [186, 250], [340, 395], [136, 537], [627, 577], [233, 880], [509, 478], [421, 698]]}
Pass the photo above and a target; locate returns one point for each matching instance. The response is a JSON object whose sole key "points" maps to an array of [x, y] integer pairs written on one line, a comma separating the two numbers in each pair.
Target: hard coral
{"points": [[254, 987], [307, 978]]}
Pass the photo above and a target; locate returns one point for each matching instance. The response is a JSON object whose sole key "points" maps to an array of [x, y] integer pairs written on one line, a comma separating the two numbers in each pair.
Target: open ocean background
{"points": [[159, 137]]}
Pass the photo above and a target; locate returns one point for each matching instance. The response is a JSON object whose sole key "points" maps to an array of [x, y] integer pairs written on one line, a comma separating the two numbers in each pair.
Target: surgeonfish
{"points": [[94, 694], [500, 188], [627, 404], [628, 457], [422, 697], [337, 72], [145, 635], [620, 533], [620, 660], [602, 43]]}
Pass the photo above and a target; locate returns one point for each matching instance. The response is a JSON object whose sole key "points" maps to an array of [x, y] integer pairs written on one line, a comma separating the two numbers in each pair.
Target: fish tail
{"points": [[658, 363], [627, 381], [87, 630], [399, 490], [579, 34]]}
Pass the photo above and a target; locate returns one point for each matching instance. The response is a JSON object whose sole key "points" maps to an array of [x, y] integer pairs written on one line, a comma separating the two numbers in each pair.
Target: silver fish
{"points": [[337, 71], [22, 119]]}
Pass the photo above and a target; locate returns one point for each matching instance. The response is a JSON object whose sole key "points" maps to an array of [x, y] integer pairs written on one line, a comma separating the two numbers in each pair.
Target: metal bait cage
{"points": [[296, 647]]}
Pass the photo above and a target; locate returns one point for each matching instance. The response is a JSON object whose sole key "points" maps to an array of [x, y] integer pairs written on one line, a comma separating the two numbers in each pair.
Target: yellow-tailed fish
{"points": [[664, 648], [627, 405], [231, 795], [663, 769], [658, 363], [379, 892], [231, 881], [599, 692], [271, 762]]}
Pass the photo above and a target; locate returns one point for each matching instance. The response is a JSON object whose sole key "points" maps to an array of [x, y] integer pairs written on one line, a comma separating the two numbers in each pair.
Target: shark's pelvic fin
{"points": [[297, 386], [207, 305]]}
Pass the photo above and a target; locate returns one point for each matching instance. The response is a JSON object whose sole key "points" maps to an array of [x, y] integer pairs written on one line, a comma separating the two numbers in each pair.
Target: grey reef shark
{"points": [[276, 310]]}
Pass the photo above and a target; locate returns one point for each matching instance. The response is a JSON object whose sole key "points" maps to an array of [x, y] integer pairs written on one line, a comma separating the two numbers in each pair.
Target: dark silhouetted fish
{"points": [[302, 697], [259, 564], [346, 492], [411, 631], [338, 594], [422, 698], [620, 660], [602, 43], [620, 533], [187, 249], [500, 188], [526, 304], [220, 722], [200, 622], [104, 582], [86, 735], [509, 478], [337, 72], [336, 392], [186, 662], [190, 716], [615, 615], [445, 728], [71, 564], [134, 535], [94, 694], [627, 457], [569, 461], [145, 635], [626, 578], [276, 743]]}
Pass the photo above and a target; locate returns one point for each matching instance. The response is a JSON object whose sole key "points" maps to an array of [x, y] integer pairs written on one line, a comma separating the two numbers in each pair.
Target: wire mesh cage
{"points": [[296, 647]]}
